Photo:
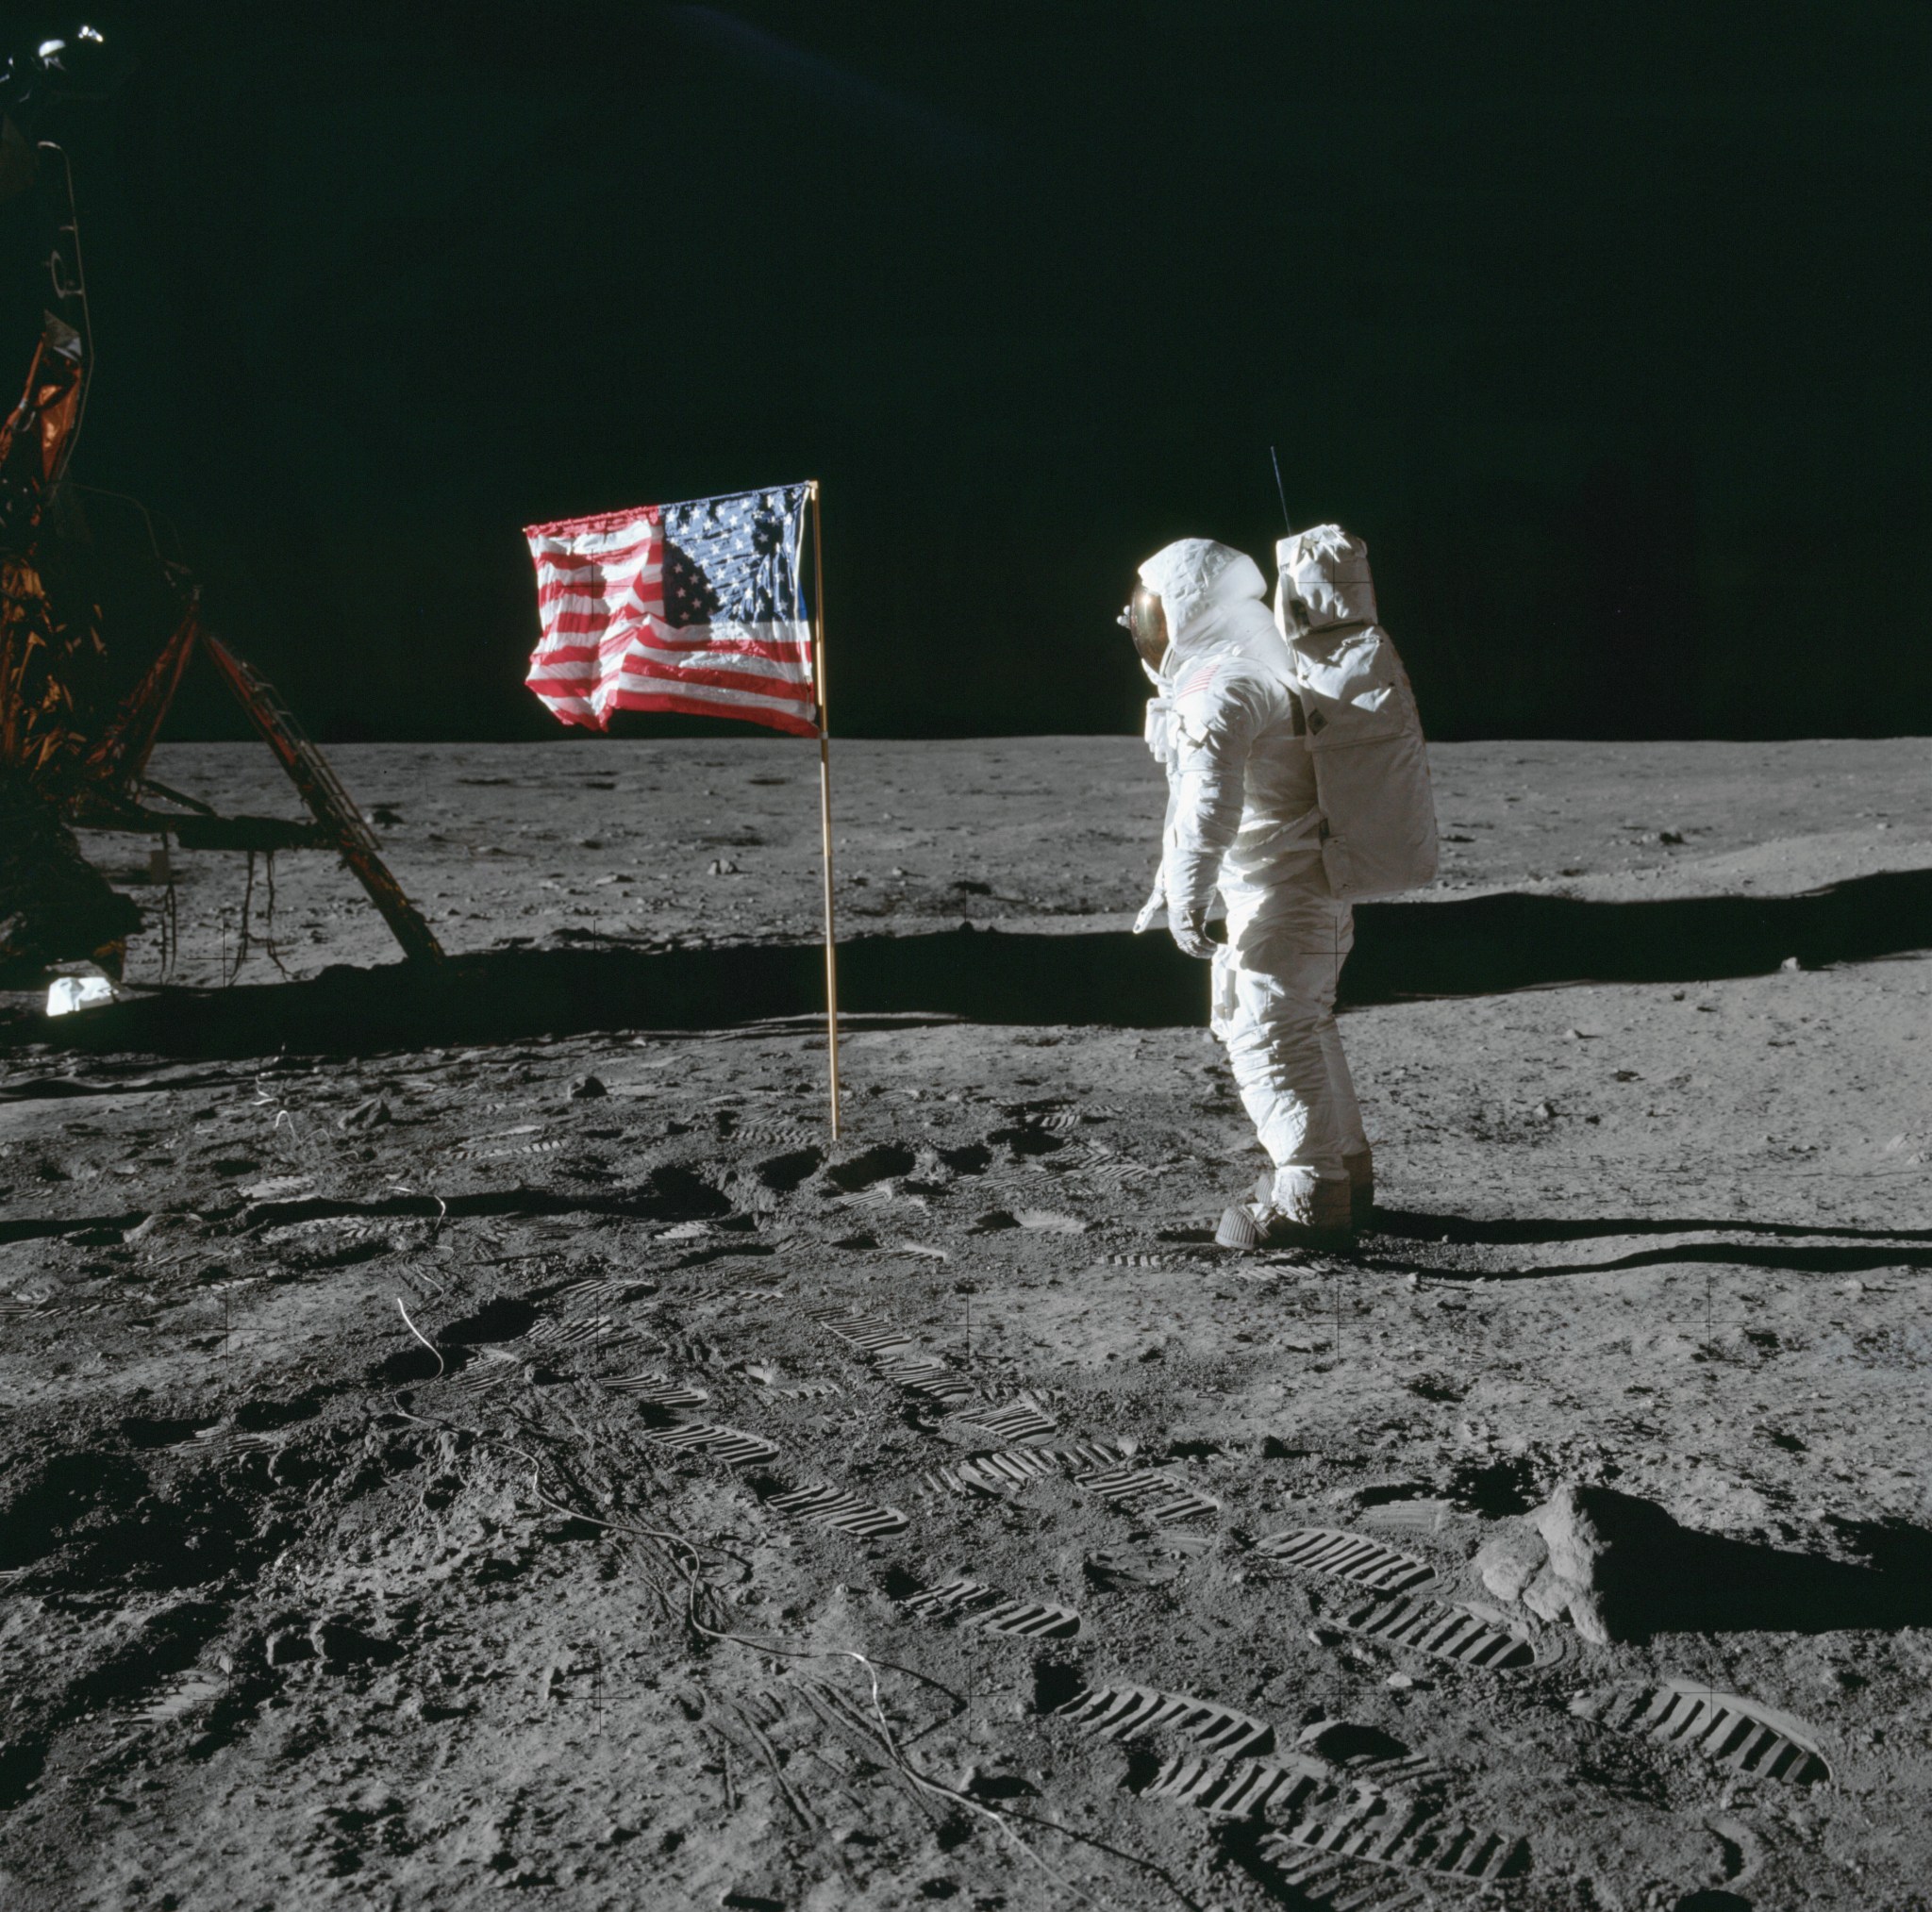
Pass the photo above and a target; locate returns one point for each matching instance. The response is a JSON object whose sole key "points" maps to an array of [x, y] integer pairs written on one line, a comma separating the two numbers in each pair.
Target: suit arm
{"points": [[1213, 730]]}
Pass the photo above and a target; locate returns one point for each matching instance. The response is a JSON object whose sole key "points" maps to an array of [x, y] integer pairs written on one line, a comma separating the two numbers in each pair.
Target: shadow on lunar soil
{"points": [[1799, 1248], [1702, 1583], [1837, 1258], [1421, 1225], [1404, 951]]}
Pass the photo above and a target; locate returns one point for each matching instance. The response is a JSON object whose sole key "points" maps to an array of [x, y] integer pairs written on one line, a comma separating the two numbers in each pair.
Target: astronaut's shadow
{"points": [[1418, 1224], [1489, 945], [1779, 1247]]}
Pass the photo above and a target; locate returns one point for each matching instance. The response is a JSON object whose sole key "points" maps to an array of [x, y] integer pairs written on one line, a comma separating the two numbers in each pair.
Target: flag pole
{"points": [[818, 574]]}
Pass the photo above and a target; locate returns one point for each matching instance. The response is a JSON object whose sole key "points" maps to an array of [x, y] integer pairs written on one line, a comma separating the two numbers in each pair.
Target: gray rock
{"points": [[1512, 1559], [1589, 1555]]}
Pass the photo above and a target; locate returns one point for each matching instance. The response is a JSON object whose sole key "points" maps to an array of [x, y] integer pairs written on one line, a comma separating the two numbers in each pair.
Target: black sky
{"points": [[1605, 326]]}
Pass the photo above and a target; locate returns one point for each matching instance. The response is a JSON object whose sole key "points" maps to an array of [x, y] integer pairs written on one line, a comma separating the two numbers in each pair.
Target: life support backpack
{"points": [[1365, 735]]}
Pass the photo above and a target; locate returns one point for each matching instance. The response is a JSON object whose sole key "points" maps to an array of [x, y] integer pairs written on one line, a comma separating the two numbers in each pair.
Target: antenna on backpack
{"points": [[1287, 522]]}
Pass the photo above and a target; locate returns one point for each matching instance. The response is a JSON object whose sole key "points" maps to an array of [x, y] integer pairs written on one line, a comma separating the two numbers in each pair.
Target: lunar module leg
{"points": [[329, 803]]}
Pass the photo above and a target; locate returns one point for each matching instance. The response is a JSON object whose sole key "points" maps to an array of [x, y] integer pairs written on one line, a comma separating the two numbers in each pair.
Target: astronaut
{"points": [[1245, 829]]}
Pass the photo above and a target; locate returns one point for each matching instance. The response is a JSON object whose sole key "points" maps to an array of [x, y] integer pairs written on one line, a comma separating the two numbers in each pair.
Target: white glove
{"points": [[1188, 929]]}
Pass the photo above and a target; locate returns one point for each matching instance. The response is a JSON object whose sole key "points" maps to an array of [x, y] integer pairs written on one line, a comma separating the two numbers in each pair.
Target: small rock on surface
{"points": [[1510, 1560], [1051, 1221], [1588, 1555], [276, 1187], [587, 1088]]}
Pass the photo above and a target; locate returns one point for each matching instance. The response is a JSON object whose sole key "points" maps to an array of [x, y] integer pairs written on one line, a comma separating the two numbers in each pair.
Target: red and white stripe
{"points": [[606, 646]]}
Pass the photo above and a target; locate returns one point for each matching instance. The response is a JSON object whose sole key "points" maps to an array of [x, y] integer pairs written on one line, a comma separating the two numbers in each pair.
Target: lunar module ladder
{"points": [[328, 801], [114, 768]]}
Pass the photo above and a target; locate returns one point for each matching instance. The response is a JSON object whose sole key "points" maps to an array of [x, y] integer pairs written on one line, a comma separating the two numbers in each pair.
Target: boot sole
{"points": [[1240, 1230], [1237, 1230]]}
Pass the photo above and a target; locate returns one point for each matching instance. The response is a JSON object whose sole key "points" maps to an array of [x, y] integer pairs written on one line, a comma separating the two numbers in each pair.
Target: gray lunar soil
{"points": [[443, 1456]]}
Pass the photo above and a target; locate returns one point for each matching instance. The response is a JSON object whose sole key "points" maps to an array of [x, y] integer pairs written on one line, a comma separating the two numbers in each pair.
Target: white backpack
{"points": [[1365, 737]]}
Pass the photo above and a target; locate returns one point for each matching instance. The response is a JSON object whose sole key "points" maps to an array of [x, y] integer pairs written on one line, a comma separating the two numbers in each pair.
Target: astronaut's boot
{"points": [[1292, 1209], [1361, 1186]]}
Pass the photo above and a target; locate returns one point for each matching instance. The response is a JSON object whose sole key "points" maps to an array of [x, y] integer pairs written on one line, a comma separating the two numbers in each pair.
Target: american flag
{"points": [[698, 606]]}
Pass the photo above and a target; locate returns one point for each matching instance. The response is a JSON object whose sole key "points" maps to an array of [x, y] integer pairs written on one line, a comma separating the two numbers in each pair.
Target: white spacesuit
{"points": [[1243, 820]]}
